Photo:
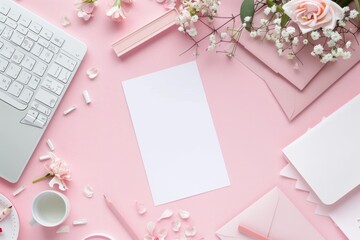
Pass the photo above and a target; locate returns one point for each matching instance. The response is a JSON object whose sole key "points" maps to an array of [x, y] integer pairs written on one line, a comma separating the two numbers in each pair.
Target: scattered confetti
{"points": [[166, 214], [63, 229], [88, 191], [190, 231], [44, 157], [92, 72], [65, 21], [80, 222], [140, 208], [50, 145], [86, 96], [69, 110], [176, 224], [184, 214], [18, 191]]}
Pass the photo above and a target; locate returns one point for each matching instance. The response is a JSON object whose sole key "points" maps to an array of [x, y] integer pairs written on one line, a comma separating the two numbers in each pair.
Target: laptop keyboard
{"points": [[33, 70]]}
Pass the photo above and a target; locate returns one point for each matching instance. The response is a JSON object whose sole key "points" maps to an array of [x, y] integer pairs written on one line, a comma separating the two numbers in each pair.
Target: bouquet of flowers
{"points": [[327, 27]]}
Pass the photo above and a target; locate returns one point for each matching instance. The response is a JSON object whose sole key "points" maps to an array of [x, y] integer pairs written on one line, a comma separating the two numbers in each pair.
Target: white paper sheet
{"points": [[175, 133]]}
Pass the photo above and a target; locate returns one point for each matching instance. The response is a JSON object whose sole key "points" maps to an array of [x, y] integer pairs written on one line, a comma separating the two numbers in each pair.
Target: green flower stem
{"points": [[49, 175], [357, 6], [117, 3]]}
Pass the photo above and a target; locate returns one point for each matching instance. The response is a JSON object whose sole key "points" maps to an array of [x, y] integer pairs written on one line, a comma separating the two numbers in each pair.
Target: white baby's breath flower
{"points": [[295, 40], [279, 44], [280, 52], [313, 54], [194, 18], [331, 43], [277, 21], [353, 13], [268, 36], [192, 32], [181, 29], [273, 8], [345, 9], [327, 32], [253, 34], [341, 23], [305, 41], [335, 36], [284, 33], [263, 21], [326, 58], [290, 30], [267, 10], [211, 47], [315, 35], [318, 49], [223, 35], [346, 55], [277, 29], [258, 32], [247, 19], [348, 44], [212, 38]]}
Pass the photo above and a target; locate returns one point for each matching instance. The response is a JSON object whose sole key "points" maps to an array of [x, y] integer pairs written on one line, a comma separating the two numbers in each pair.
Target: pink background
{"points": [[99, 143]]}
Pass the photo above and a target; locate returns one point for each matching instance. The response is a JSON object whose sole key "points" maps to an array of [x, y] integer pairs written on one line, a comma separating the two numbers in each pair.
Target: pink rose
{"points": [[313, 14]]}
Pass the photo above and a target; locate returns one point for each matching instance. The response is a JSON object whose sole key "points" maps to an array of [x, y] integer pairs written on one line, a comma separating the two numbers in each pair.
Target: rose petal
{"points": [[176, 224], [166, 214], [190, 231], [140, 208], [184, 214], [88, 191], [63, 229], [162, 234], [56, 180], [182, 237], [150, 227], [92, 72], [65, 21]]}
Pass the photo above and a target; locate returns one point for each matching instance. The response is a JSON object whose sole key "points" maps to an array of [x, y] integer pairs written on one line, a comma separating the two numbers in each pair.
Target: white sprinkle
{"points": [[69, 110], [18, 191], [50, 145], [63, 229], [86, 96], [44, 157], [80, 222]]}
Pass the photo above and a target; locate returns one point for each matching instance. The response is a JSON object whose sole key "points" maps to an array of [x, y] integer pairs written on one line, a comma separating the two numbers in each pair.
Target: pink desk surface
{"points": [[99, 143]]}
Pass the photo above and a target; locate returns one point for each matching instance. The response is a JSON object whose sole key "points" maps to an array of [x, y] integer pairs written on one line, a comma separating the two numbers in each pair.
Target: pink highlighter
{"points": [[250, 233]]}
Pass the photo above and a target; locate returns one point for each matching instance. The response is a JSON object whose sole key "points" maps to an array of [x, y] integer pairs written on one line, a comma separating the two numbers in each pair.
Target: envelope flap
{"points": [[257, 217], [267, 52], [289, 223]]}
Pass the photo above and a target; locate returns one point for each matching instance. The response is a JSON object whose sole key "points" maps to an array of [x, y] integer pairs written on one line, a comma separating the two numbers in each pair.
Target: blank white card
{"points": [[175, 133]]}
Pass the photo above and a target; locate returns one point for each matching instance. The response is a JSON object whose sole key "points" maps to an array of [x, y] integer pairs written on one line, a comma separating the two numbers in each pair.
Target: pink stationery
{"points": [[146, 32], [271, 217]]}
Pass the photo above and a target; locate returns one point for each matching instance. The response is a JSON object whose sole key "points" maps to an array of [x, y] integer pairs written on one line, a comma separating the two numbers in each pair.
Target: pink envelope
{"points": [[293, 95], [273, 216]]}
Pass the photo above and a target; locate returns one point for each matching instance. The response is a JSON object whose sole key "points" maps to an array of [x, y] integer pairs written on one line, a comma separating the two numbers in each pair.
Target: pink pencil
{"points": [[120, 218], [250, 233]]}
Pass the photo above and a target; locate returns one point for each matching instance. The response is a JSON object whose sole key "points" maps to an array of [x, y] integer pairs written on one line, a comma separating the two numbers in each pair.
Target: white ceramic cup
{"points": [[50, 208]]}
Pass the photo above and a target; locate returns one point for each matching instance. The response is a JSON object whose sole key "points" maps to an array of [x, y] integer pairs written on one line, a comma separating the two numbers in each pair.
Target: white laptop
{"points": [[328, 155], [37, 63]]}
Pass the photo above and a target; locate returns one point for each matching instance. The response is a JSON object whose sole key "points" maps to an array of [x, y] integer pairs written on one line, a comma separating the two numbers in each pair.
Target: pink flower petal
{"points": [[140, 208], [166, 214]]}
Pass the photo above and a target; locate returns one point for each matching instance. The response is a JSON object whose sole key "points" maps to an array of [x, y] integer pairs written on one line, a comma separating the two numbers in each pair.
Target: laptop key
{"points": [[3, 64], [46, 98], [15, 88], [11, 101], [13, 70], [7, 51], [4, 82], [24, 77], [41, 108]]}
